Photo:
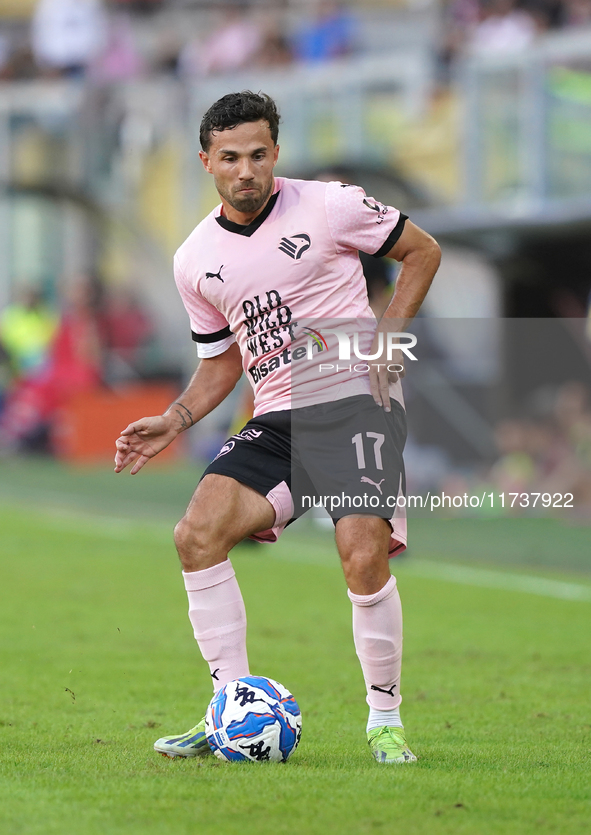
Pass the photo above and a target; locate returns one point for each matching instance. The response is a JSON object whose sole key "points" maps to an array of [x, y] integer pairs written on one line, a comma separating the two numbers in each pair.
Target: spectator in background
{"points": [[67, 35], [74, 364], [460, 18], [26, 329], [5, 376], [577, 12], [547, 14], [514, 470], [573, 415], [486, 26], [125, 329], [77, 350], [275, 50], [329, 35], [548, 453], [230, 47], [502, 28], [16, 58], [5, 52], [119, 59], [567, 455]]}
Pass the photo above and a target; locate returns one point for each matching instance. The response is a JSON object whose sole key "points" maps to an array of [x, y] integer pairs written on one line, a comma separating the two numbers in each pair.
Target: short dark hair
{"points": [[236, 108]]}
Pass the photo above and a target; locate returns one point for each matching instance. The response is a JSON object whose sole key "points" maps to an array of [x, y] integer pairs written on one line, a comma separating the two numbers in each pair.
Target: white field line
{"points": [[466, 575], [111, 527], [486, 578], [117, 528]]}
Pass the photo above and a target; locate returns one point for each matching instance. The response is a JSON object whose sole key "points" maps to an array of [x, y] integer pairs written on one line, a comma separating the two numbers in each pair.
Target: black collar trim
{"points": [[239, 229]]}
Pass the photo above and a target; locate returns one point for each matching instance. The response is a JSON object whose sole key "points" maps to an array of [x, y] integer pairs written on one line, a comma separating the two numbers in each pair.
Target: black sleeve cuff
{"points": [[211, 337], [392, 237]]}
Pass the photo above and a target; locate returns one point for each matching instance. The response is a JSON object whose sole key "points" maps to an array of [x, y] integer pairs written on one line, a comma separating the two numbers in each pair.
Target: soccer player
{"points": [[276, 252]]}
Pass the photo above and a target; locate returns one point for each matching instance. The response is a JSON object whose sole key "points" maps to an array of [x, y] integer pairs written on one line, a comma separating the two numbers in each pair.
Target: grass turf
{"points": [[98, 660]]}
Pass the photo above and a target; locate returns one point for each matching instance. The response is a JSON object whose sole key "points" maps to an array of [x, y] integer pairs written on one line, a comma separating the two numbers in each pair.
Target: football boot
{"points": [[388, 745], [192, 744]]}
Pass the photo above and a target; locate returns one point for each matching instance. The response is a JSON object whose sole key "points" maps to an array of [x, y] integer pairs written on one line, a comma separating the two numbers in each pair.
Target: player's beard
{"points": [[247, 203]]}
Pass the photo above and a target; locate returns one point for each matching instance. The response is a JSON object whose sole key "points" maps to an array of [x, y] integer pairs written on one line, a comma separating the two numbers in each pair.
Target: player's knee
{"points": [[201, 541], [361, 562], [366, 574], [192, 543], [362, 539]]}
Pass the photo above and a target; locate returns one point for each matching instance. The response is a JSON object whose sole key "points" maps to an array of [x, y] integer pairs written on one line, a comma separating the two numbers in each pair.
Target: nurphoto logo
{"points": [[393, 342], [316, 338]]}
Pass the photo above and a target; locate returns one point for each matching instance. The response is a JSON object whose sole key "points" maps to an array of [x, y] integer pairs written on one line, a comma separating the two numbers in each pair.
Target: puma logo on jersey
{"points": [[296, 245], [216, 275], [367, 480]]}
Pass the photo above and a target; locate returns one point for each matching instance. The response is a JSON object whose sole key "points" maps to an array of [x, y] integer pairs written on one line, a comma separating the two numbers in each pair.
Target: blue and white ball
{"points": [[253, 718]]}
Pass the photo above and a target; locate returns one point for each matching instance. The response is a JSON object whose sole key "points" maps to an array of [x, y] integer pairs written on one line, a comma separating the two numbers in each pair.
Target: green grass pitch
{"points": [[98, 660]]}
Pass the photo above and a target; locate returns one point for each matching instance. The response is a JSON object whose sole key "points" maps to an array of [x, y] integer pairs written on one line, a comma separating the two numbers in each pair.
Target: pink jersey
{"points": [[296, 264]]}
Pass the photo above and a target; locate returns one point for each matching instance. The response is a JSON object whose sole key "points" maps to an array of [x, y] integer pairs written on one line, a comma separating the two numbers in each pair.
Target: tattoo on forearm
{"points": [[184, 415]]}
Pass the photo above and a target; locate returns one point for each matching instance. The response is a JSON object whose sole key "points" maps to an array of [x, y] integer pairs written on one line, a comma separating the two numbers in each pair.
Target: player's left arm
{"points": [[419, 255]]}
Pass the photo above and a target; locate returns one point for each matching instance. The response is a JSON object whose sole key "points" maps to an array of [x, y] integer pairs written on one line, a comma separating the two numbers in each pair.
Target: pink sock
{"points": [[377, 631], [216, 612]]}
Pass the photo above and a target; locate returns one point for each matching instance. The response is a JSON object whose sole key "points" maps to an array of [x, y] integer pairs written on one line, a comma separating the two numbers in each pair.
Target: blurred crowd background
{"points": [[472, 116], [111, 40]]}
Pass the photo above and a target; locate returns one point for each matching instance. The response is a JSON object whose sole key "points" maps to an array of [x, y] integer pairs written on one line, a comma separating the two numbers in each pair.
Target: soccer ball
{"points": [[253, 718]]}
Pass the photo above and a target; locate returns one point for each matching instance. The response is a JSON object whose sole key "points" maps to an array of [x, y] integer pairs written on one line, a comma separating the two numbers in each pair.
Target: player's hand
{"points": [[384, 370], [142, 440]]}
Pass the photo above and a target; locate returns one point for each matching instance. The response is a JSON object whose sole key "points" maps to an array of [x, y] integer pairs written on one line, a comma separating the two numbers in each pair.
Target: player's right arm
{"points": [[211, 383]]}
